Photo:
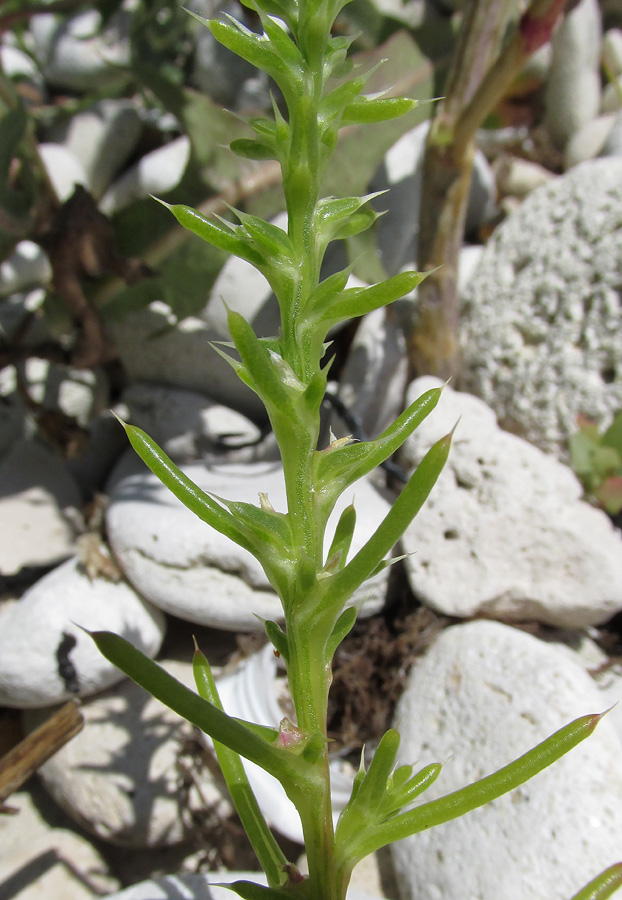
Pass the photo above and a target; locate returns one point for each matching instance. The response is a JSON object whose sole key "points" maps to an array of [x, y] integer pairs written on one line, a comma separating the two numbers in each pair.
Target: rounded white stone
{"points": [[188, 425], [121, 777], [64, 170], [39, 507], [154, 347], [77, 54], [46, 658], [102, 137], [588, 141], [27, 265], [156, 173], [504, 532], [192, 571], [483, 695], [573, 91]]}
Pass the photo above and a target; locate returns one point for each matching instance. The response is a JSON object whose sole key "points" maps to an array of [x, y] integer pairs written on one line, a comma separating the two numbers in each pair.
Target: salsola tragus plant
{"points": [[320, 93]]}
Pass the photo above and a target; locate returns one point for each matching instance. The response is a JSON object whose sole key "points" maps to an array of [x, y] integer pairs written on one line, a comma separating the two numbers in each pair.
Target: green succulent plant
{"points": [[320, 94], [597, 460]]}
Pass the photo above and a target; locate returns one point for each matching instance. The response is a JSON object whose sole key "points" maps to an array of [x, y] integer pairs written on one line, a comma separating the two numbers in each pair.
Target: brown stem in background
{"points": [[480, 76], [82, 243], [24, 759]]}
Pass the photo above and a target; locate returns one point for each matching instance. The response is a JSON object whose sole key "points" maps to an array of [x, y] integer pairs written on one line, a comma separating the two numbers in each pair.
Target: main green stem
{"points": [[308, 670]]}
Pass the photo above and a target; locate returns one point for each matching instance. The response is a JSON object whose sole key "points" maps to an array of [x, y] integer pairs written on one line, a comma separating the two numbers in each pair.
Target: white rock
{"points": [[572, 96], [156, 173], [468, 261], [58, 866], [64, 170], [192, 571], [27, 265], [180, 356], [102, 137], [201, 887], [538, 65], [400, 172], [38, 508], [613, 141], [240, 287], [374, 377], [519, 177], [483, 695], [541, 318], [46, 658], [504, 532], [41, 859], [77, 54], [187, 425], [612, 96], [18, 65], [81, 394], [121, 778], [611, 52], [588, 141]]}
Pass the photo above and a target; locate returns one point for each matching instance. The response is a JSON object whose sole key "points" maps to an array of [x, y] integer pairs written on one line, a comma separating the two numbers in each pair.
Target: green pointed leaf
{"points": [[269, 381], [271, 526], [343, 534], [255, 49], [249, 149], [337, 468], [395, 523], [603, 886], [225, 237], [341, 97], [366, 110], [283, 46], [271, 858], [195, 709], [197, 500], [270, 237], [248, 890], [372, 790], [400, 795], [355, 302], [344, 625], [277, 638], [458, 803]]}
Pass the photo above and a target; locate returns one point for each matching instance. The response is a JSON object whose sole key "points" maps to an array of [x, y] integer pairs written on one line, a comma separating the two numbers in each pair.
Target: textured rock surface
{"points": [[542, 315], [121, 777], [483, 695], [192, 571], [46, 658], [504, 531]]}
